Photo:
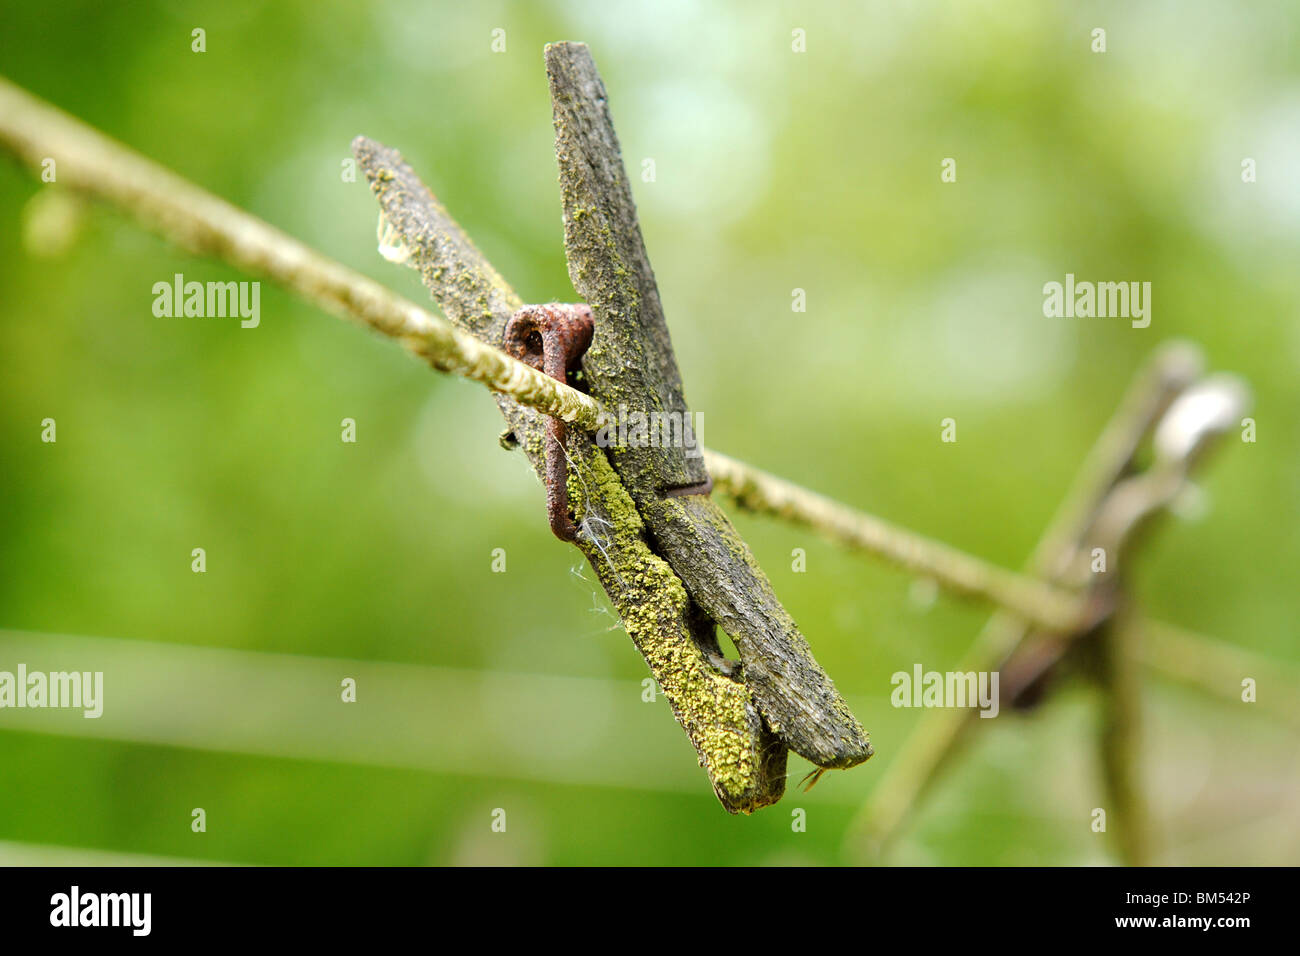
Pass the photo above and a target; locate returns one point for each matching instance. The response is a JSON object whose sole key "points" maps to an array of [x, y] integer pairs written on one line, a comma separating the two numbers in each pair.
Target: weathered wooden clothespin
{"points": [[1184, 414], [631, 364], [672, 564], [1175, 409]]}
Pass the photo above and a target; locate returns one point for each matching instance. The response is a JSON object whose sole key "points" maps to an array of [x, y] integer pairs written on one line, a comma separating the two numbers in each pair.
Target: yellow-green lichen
{"points": [[715, 710]]}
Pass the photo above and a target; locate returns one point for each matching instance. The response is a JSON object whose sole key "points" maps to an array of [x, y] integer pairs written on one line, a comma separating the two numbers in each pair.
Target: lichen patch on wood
{"points": [[744, 761]]}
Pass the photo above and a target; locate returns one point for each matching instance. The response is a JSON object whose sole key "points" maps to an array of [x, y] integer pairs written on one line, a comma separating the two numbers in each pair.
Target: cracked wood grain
{"points": [[745, 762], [631, 362]]}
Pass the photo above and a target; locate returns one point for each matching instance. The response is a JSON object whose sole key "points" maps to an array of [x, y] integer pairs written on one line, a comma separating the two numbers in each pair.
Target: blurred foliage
{"points": [[774, 170]]}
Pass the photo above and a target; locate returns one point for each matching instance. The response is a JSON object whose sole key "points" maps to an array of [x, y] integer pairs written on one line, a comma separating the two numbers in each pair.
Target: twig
{"points": [[1217, 669], [1119, 740], [940, 733], [195, 219], [717, 711], [1173, 367], [96, 166], [753, 490]]}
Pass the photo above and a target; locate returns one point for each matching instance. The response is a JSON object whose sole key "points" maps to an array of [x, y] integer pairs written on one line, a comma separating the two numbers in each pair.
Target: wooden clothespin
{"points": [[631, 364], [1175, 408], [670, 561], [1184, 414]]}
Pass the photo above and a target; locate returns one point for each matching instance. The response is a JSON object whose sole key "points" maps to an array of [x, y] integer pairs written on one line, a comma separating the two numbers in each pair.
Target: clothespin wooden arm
{"points": [[744, 761], [1019, 651], [631, 363], [1192, 416]]}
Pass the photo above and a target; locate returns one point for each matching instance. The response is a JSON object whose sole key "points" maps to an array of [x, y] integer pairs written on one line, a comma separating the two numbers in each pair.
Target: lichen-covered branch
{"points": [[746, 769], [193, 218], [1037, 601], [96, 166], [741, 768]]}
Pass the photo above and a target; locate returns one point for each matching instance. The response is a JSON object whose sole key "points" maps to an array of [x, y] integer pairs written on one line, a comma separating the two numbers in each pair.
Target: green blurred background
{"points": [[775, 170]]}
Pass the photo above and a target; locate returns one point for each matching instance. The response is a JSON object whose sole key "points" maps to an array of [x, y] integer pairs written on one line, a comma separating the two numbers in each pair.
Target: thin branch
{"points": [[1197, 417], [96, 166], [1119, 739], [940, 734], [717, 709], [195, 219], [1173, 367], [753, 490], [1218, 669]]}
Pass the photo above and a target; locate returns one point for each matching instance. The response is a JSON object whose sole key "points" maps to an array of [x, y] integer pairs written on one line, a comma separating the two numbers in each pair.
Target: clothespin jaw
{"points": [[631, 365], [1173, 407], [1188, 414], [744, 760], [672, 565]]}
